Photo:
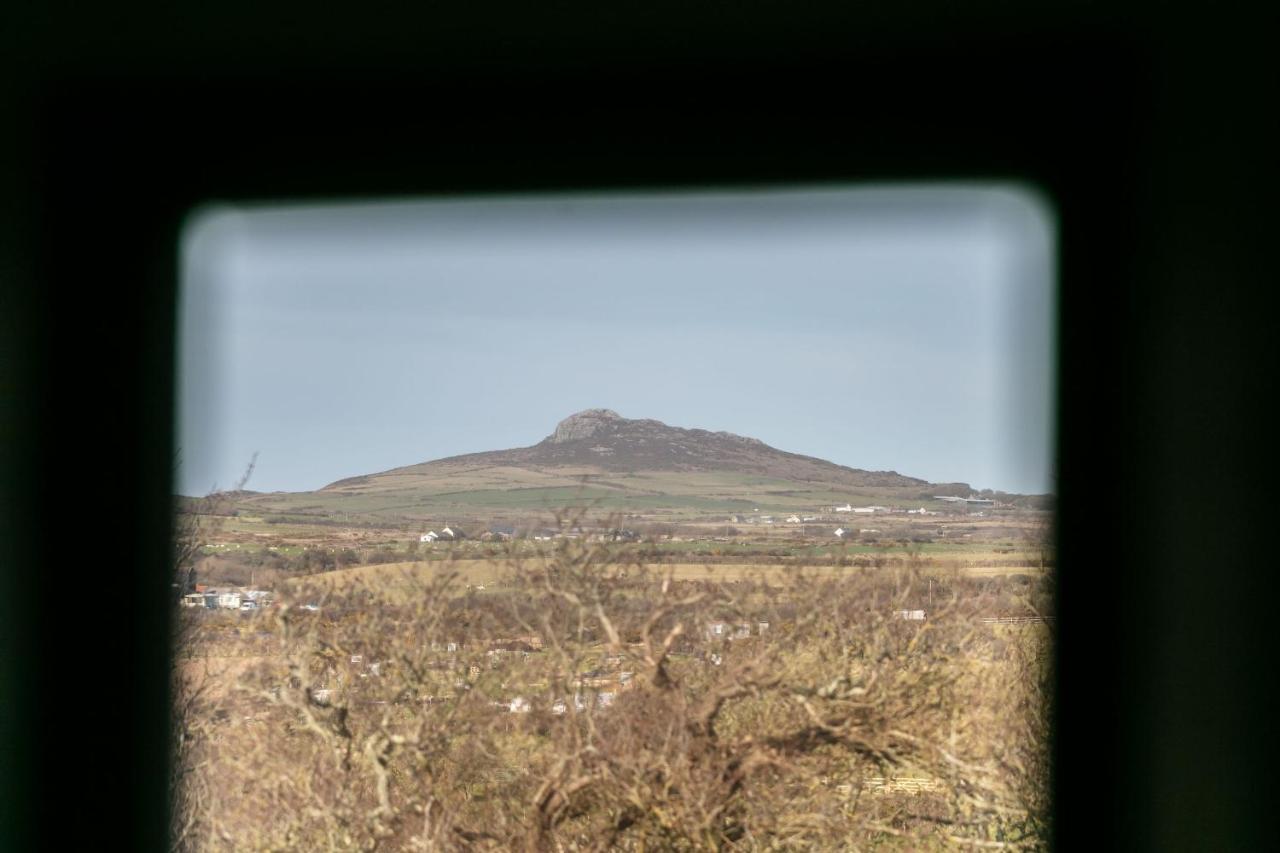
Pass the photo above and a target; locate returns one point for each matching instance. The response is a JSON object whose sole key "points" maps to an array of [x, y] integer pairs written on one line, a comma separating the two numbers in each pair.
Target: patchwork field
{"points": [[406, 496]]}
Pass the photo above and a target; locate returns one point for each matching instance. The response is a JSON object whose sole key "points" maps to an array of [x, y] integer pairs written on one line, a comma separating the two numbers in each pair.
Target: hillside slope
{"points": [[600, 441]]}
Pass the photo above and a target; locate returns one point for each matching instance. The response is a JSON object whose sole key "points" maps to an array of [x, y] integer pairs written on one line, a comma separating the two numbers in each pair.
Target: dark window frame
{"points": [[120, 147]]}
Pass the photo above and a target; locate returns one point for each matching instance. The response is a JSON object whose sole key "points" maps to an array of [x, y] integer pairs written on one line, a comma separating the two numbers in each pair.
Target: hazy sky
{"points": [[881, 328]]}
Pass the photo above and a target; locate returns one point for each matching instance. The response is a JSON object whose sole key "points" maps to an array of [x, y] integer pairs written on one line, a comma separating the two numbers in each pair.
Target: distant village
{"points": [[835, 522], [827, 515]]}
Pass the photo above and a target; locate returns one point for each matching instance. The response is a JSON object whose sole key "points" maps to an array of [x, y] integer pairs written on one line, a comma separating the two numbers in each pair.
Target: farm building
{"points": [[499, 533], [970, 501], [732, 631]]}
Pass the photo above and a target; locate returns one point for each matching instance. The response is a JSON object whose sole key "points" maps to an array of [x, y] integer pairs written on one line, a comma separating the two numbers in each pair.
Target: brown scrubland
{"points": [[588, 701]]}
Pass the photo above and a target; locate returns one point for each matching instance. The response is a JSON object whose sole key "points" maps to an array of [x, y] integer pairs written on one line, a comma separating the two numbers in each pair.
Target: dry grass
{"points": [[775, 741], [395, 581]]}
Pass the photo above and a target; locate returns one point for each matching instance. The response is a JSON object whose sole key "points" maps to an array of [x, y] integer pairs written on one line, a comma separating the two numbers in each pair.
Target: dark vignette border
{"points": [[1147, 154]]}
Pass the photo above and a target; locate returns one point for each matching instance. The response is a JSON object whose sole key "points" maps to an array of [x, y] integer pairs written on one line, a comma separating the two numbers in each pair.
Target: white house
{"points": [[229, 600], [913, 615], [840, 532], [560, 706], [845, 508], [793, 519], [429, 536]]}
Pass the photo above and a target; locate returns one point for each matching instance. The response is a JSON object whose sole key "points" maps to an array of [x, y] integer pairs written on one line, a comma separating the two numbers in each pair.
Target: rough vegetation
{"points": [[588, 702]]}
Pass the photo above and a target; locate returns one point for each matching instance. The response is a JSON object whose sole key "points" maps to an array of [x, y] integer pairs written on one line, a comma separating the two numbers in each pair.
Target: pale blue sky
{"points": [[904, 328]]}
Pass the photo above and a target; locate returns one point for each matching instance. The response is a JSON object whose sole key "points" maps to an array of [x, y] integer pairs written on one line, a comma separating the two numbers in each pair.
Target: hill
{"points": [[601, 440], [599, 458]]}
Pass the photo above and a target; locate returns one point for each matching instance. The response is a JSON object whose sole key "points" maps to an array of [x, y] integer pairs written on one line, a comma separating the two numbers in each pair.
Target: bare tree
{"points": [[589, 702]]}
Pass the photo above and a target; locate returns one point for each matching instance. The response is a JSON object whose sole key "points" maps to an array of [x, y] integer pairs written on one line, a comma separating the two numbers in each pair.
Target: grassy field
{"points": [[459, 489], [397, 580]]}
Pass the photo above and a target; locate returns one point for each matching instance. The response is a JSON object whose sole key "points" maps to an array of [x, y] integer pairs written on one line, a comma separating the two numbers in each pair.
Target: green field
{"points": [[408, 496]]}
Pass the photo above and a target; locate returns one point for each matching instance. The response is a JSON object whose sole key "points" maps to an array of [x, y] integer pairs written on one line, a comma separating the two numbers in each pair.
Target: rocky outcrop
{"points": [[584, 424]]}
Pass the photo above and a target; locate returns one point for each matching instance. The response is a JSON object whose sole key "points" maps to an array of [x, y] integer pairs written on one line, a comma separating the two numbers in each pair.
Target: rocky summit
{"points": [[584, 424]]}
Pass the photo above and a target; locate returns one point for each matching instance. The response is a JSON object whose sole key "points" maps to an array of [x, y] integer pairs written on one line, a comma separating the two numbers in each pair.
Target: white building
{"points": [[913, 615], [429, 536]]}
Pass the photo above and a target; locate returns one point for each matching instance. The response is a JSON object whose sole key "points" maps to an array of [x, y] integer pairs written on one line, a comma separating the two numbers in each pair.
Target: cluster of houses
{"points": [[446, 534], [844, 532], [227, 599], [768, 519]]}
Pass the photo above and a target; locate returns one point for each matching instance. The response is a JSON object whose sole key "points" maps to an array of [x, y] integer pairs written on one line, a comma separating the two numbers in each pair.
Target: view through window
{"points": [[637, 521]]}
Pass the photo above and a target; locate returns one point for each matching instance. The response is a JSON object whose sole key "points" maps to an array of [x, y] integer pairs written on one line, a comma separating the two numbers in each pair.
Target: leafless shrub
{"points": [[790, 714]]}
